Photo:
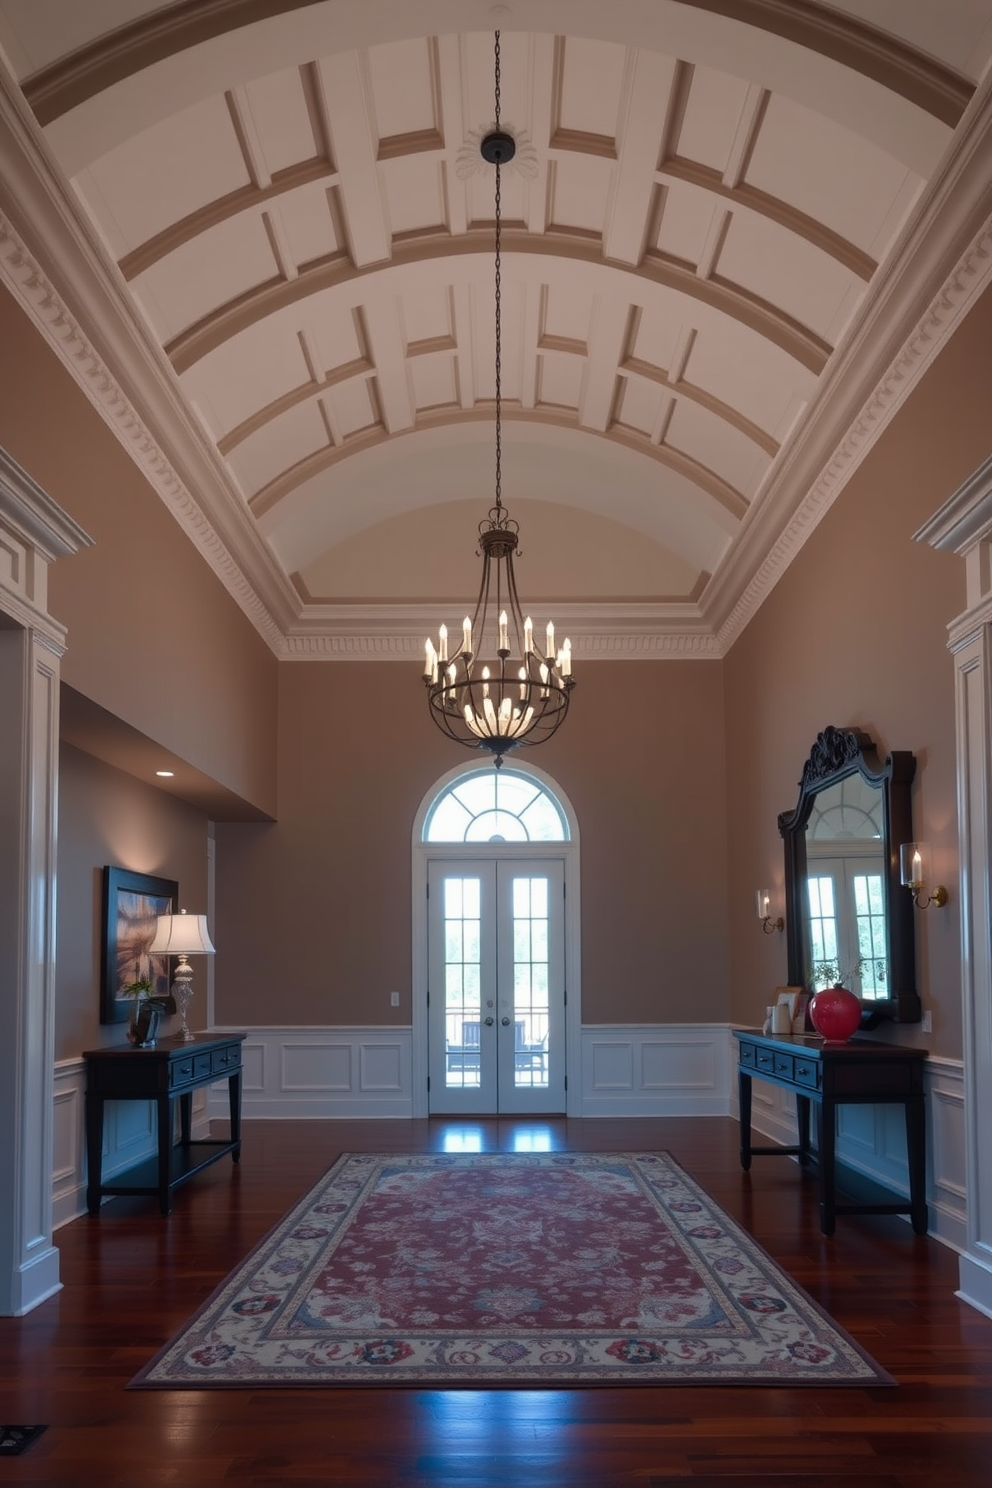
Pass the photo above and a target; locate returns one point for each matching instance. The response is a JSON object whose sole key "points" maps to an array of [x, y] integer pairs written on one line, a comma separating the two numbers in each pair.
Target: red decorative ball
{"points": [[835, 1013]]}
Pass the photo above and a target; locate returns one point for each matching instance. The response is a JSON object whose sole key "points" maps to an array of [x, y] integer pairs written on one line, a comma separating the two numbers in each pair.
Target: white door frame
{"points": [[424, 852]]}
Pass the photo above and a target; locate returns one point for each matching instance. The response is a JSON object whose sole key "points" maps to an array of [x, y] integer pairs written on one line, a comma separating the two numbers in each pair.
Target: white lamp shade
{"points": [[182, 935]]}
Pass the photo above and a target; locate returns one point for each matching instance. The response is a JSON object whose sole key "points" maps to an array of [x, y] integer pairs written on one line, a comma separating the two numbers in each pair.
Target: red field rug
{"points": [[548, 1269]]}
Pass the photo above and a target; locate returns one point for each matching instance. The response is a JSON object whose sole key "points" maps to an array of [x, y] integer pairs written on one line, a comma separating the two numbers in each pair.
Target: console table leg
{"points": [[234, 1100], [916, 1149], [164, 1109], [826, 1114], [94, 1151], [802, 1120], [185, 1119], [744, 1098]]}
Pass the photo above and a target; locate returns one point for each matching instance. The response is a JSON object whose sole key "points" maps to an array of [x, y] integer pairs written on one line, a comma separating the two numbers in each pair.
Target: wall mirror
{"points": [[848, 917]]}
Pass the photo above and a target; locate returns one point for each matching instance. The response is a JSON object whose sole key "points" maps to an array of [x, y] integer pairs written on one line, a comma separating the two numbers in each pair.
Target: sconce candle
{"points": [[764, 902], [915, 873]]}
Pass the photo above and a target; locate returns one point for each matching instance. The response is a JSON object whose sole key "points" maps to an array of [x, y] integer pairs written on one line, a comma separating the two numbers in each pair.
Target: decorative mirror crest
{"points": [[834, 749]]}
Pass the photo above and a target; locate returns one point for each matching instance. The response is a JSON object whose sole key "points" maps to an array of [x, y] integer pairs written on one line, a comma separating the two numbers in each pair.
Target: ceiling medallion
{"points": [[519, 696], [471, 159]]}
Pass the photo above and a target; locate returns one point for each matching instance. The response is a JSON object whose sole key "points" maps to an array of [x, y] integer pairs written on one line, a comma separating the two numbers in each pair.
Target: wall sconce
{"points": [[915, 873], [768, 925]]}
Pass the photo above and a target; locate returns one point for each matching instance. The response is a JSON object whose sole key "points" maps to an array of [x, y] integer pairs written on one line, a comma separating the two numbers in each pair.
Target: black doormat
{"points": [[16, 1439]]}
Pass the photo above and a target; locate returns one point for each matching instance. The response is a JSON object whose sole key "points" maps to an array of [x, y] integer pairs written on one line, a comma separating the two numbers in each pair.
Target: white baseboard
{"points": [[975, 1276]]}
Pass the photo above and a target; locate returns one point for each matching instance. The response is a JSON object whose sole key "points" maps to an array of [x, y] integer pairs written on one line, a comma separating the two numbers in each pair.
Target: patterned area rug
{"points": [[548, 1269]]}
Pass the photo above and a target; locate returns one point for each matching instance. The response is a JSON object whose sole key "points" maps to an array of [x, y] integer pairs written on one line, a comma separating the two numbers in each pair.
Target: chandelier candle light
{"points": [[520, 696]]}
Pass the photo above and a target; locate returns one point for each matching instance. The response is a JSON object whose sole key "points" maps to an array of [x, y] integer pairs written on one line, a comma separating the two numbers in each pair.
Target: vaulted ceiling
{"points": [[260, 234]]}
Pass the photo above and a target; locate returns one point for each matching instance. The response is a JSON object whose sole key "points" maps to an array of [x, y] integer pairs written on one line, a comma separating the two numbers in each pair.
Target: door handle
{"points": [[488, 1022], [505, 1022]]}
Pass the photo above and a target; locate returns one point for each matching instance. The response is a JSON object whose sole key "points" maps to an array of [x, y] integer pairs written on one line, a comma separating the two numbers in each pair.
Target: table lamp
{"points": [[182, 935]]}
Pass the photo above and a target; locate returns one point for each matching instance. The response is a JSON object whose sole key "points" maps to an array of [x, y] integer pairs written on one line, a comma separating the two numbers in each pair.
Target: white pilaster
{"points": [[33, 532], [964, 526]]}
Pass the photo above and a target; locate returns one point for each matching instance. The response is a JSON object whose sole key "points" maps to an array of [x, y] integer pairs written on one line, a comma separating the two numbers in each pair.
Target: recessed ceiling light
{"points": [[166, 774]]}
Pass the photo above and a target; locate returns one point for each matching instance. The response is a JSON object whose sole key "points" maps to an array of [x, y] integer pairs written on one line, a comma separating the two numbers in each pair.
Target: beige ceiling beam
{"points": [[535, 341], [337, 271], [360, 367], [650, 78], [344, 95], [249, 198], [677, 168], [728, 500], [877, 55], [632, 366], [109, 59]]}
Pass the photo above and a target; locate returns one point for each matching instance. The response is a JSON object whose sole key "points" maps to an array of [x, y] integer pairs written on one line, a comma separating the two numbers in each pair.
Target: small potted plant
{"points": [[146, 1012]]}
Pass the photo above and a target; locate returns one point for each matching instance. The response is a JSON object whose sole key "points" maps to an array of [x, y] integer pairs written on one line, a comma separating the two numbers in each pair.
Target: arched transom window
{"points": [[496, 806]]}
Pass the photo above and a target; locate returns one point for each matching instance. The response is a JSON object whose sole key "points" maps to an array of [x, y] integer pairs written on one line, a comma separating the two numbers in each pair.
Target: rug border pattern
{"points": [[419, 1362]]}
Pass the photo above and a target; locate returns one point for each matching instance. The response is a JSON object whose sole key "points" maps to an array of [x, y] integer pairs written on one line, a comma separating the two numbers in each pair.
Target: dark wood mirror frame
{"points": [[837, 754]]}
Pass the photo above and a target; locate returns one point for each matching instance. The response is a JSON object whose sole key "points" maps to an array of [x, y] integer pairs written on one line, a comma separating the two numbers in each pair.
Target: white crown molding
{"points": [[32, 514], [940, 268], [639, 646], [606, 631], [49, 314], [58, 274], [969, 279], [965, 518]]}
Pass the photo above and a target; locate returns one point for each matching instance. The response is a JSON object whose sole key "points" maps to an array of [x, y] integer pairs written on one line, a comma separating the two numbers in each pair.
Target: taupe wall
{"points": [[106, 818], [153, 636], [677, 770], [314, 911], [855, 635]]}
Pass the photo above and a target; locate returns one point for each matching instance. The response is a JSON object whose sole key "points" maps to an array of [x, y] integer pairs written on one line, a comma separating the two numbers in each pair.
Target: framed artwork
{"points": [[132, 903]]}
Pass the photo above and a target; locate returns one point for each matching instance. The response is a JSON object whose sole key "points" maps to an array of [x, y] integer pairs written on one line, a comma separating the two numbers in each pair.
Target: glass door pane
{"points": [[531, 986], [462, 983], [530, 983]]}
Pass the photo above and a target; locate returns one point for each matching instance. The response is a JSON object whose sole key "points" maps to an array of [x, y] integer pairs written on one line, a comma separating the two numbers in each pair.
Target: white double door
{"points": [[496, 986]]}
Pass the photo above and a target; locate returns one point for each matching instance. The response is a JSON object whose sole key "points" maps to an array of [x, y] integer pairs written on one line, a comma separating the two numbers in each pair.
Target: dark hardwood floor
{"points": [[131, 1279]]}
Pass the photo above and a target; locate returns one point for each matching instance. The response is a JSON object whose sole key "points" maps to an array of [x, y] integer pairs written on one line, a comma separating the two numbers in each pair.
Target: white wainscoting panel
{"points": [[322, 1072], [681, 1069], [872, 1140]]}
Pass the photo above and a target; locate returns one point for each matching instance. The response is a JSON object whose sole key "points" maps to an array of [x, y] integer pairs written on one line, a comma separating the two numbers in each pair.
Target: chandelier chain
{"points": [[498, 296]]}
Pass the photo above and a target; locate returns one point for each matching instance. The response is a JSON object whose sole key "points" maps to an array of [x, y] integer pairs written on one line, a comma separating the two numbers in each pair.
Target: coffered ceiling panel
{"points": [[723, 225]]}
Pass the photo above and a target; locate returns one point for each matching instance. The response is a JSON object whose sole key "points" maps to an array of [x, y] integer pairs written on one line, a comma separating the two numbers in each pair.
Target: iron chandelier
{"points": [[519, 696]]}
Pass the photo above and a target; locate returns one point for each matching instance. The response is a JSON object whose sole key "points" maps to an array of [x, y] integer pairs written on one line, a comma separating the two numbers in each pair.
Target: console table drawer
{"points": [[807, 1072], [764, 1059], [783, 1066], [223, 1061], [180, 1072]]}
